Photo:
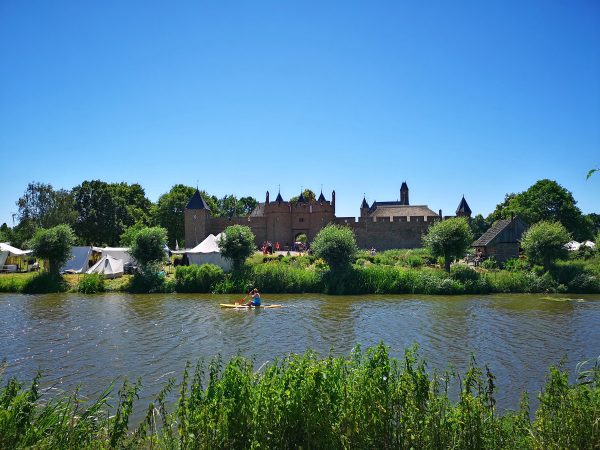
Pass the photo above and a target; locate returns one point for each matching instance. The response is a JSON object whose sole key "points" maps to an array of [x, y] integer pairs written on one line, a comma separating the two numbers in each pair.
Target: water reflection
{"points": [[94, 339]]}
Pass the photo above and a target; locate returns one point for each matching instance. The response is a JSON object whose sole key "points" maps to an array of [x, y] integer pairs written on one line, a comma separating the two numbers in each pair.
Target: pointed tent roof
{"points": [[463, 207], [197, 202], [321, 198], [364, 203]]}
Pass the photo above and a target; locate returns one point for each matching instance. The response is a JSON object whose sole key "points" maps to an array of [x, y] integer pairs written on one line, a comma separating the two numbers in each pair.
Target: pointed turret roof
{"points": [[321, 198], [463, 207], [279, 197], [364, 204], [404, 186], [301, 199], [197, 202]]}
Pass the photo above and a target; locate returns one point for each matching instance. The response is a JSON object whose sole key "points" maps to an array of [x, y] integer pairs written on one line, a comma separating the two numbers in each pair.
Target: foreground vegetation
{"points": [[365, 400]]}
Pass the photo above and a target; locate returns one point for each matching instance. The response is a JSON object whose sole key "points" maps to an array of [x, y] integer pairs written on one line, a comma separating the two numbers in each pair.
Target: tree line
{"points": [[102, 213]]}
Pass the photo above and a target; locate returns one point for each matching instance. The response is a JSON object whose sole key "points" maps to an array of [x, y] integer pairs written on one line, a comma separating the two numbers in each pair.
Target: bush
{"points": [[584, 283], [201, 279], [464, 273], [237, 244], [44, 283], [91, 283], [282, 278], [149, 280], [489, 263], [516, 265], [148, 246], [54, 245], [449, 239], [544, 242], [336, 244]]}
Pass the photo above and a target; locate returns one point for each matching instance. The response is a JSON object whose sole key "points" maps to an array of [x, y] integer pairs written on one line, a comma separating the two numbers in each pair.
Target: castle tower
{"points": [[333, 201], [267, 198], [364, 208], [463, 209], [197, 216], [404, 194]]}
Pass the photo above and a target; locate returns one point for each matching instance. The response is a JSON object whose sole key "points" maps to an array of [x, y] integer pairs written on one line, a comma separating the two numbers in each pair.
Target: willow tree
{"points": [[449, 238]]}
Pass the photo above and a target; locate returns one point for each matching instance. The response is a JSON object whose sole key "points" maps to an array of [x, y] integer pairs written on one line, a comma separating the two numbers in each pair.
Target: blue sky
{"points": [[473, 98]]}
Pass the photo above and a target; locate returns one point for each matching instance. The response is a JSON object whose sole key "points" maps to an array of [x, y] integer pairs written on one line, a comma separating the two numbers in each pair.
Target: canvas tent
{"points": [[572, 246], [121, 253], [108, 266], [7, 250], [208, 252], [78, 263]]}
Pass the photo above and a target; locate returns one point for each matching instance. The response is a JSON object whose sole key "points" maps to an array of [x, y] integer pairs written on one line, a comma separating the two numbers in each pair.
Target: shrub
{"points": [[282, 278], [449, 239], [149, 279], [336, 244], [516, 265], [54, 245], [91, 283], [489, 263], [196, 278], [44, 283], [237, 244], [584, 283], [463, 273], [544, 242], [148, 246]]}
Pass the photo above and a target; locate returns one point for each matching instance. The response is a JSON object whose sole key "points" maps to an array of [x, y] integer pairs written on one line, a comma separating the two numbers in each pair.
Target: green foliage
{"points": [[308, 196], [489, 263], [546, 201], [91, 283], [128, 236], [336, 245], [544, 242], [106, 210], [148, 246], [44, 283], [406, 258], [54, 245], [230, 206], [367, 399], [285, 278], [169, 212], [478, 225], [149, 279], [516, 265], [237, 244], [45, 207], [449, 238], [196, 278], [464, 273]]}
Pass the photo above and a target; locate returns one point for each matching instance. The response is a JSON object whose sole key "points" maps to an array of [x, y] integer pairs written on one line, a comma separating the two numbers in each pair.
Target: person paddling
{"points": [[255, 301]]}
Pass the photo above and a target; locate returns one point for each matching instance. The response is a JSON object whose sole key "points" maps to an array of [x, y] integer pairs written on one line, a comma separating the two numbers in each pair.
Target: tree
{"points": [[545, 242], [449, 238], [237, 244], [336, 244], [591, 172], [546, 200], [45, 207], [148, 246], [308, 196], [54, 245], [5, 233], [230, 206], [478, 225], [129, 235]]}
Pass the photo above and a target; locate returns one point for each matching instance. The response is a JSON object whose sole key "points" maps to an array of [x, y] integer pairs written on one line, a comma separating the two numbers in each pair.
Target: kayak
{"points": [[233, 305]]}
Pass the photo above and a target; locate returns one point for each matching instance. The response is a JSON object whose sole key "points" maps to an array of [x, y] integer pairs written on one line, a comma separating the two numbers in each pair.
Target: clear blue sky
{"points": [[474, 98]]}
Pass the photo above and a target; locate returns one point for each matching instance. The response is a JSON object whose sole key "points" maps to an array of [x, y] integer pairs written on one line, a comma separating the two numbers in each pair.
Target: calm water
{"points": [[92, 340]]}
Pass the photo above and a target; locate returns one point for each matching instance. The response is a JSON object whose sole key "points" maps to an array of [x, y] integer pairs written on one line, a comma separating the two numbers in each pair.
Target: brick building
{"points": [[383, 225]]}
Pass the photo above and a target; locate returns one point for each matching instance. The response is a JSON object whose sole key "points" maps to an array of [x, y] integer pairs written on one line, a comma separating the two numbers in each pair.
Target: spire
{"points": [[321, 198], [404, 194], [197, 202], [301, 199], [364, 203], [463, 208], [279, 198]]}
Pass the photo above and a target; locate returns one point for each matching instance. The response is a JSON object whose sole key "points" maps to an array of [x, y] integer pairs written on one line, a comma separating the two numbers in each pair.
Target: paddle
{"points": [[241, 302]]}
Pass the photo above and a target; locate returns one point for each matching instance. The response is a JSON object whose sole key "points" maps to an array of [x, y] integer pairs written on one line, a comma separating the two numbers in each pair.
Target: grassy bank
{"points": [[391, 272], [365, 400]]}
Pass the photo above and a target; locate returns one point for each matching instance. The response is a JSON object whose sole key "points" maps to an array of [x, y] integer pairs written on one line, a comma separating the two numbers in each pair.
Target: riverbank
{"points": [[363, 400], [391, 272]]}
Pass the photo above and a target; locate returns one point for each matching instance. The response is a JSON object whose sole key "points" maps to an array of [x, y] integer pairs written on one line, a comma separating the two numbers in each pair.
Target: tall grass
{"points": [[365, 400]]}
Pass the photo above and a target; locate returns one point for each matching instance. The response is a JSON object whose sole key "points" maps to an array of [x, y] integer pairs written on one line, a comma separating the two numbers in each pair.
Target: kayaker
{"points": [[255, 298]]}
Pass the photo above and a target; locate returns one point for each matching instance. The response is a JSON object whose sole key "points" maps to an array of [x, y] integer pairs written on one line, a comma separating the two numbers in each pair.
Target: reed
{"points": [[364, 400]]}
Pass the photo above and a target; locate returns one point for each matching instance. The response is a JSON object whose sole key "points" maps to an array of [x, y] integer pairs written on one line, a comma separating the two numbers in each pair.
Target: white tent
{"points": [[108, 266], [78, 263], [208, 252], [121, 253], [7, 250], [572, 246], [589, 244]]}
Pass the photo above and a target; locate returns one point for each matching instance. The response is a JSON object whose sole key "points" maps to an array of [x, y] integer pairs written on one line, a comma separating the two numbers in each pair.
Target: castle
{"points": [[383, 225]]}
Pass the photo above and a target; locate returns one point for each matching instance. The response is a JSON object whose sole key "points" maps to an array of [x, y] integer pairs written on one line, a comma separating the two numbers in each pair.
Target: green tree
{"points": [[449, 238], [478, 225], [545, 242], [308, 196], [148, 246], [546, 200], [230, 206], [54, 245], [169, 211], [336, 244], [128, 236], [237, 244], [46, 207], [5, 233]]}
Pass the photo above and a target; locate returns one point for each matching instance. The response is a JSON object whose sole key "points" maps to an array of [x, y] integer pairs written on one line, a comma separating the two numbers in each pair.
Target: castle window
{"points": [[301, 219]]}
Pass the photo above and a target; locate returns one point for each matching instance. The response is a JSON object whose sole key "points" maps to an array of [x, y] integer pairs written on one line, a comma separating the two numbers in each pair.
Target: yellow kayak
{"points": [[233, 305]]}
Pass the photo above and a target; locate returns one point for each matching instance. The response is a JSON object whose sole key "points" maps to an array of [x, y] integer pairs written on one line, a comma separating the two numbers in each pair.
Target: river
{"points": [[93, 340]]}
